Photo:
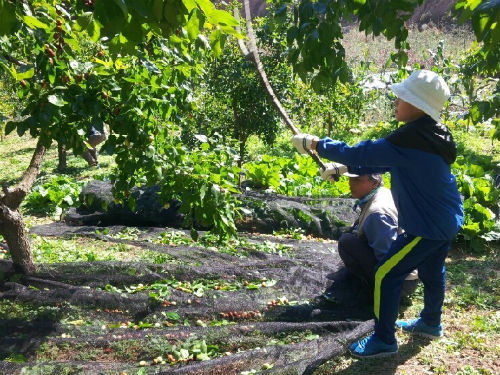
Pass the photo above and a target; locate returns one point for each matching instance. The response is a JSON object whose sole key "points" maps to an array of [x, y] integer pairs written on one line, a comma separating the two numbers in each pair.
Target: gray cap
{"points": [[373, 176], [348, 174]]}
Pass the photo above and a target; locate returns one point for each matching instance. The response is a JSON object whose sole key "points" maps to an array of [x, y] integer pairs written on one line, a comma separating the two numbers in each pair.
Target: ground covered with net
{"points": [[249, 307]]}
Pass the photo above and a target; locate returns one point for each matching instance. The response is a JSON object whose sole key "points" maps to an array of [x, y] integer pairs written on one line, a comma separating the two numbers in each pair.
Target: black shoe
{"points": [[329, 297]]}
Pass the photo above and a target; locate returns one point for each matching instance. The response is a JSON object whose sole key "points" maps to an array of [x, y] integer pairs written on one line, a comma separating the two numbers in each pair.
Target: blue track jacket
{"points": [[418, 156]]}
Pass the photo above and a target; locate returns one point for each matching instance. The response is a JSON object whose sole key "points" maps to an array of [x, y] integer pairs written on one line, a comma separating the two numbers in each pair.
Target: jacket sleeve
{"points": [[380, 231], [379, 153]]}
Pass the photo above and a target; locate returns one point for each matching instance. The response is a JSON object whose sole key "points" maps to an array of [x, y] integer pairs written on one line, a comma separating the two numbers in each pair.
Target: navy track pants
{"points": [[408, 253]]}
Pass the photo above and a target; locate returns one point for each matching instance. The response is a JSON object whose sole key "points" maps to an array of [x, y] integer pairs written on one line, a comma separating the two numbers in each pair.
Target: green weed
{"points": [[54, 195], [77, 249], [160, 291], [28, 311]]}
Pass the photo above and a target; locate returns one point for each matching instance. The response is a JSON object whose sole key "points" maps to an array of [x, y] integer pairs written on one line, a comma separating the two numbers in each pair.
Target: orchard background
{"points": [[185, 110]]}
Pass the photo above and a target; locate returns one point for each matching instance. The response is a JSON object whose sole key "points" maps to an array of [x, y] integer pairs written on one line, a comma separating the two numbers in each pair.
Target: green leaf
{"points": [[194, 24], [34, 23], [122, 6], [52, 76], [206, 6], [10, 127], [476, 170], [232, 31], [202, 357], [221, 17], [8, 17], [87, 22], [133, 31], [25, 72], [189, 4], [172, 315], [158, 9], [111, 16], [216, 42], [16, 358], [56, 100], [173, 11], [484, 212]]}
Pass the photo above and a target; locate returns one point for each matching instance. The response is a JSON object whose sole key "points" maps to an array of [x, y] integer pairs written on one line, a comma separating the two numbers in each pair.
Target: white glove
{"points": [[333, 171], [302, 142]]}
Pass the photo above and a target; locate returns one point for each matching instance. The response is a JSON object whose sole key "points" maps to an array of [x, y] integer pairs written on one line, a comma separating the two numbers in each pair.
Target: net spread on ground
{"points": [[252, 306]]}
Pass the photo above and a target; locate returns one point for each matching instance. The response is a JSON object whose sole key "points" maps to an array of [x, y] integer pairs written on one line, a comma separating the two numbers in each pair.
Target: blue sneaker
{"points": [[372, 347], [418, 327]]}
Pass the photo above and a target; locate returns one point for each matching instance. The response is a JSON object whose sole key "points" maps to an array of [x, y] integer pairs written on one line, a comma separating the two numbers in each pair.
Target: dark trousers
{"points": [[406, 254], [359, 258]]}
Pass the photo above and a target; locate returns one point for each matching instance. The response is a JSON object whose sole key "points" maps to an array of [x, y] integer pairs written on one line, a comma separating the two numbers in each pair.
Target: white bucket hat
{"points": [[425, 90]]}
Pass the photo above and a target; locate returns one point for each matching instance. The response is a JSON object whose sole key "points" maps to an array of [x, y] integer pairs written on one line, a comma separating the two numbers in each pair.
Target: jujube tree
{"points": [[82, 63]]}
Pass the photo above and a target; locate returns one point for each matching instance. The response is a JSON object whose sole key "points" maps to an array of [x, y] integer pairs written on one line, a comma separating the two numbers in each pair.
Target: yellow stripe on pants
{"points": [[384, 270]]}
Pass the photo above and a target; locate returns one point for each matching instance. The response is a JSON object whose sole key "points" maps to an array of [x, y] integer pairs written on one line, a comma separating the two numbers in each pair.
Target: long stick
{"points": [[255, 56]]}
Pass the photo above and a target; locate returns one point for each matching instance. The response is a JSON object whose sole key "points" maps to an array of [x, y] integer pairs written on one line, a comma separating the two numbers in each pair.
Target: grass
{"points": [[79, 249], [28, 311], [359, 47], [16, 153]]}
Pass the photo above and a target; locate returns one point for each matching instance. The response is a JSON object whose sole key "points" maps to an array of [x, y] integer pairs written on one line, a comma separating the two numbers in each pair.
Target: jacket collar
{"points": [[426, 135]]}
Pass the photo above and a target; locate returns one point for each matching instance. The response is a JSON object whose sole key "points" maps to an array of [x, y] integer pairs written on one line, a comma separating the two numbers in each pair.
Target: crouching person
{"points": [[373, 232]]}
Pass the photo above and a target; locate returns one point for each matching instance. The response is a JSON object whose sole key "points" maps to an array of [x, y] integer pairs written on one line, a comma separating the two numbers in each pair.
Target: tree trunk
{"points": [[239, 131], [61, 151], [12, 225], [13, 230], [243, 142], [329, 121]]}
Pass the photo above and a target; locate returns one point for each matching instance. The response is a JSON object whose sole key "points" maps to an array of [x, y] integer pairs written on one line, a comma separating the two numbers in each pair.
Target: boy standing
{"points": [[418, 155]]}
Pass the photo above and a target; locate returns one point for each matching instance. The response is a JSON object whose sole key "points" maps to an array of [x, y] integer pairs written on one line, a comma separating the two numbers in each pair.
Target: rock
{"points": [[324, 217], [264, 213], [99, 208]]}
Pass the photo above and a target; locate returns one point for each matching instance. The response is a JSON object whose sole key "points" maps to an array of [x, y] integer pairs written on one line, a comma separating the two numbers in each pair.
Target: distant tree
{"points": [[237, 97], [485, 60]]}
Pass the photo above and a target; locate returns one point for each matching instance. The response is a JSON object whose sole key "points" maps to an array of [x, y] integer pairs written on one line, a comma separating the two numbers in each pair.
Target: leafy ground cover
{"points": [[144, 315]]}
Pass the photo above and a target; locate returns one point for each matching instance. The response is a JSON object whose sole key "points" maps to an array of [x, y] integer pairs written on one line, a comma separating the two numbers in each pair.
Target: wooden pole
{"points": [[254, 55]]}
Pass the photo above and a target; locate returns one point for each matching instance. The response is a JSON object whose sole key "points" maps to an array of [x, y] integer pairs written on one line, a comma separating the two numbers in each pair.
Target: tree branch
{"points": [[263, 76], [11, 59], [241, 44], [13, 198]]}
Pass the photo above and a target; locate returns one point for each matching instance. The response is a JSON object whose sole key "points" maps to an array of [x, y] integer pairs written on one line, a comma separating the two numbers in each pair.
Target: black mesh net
{"points": [[255, 309]]}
